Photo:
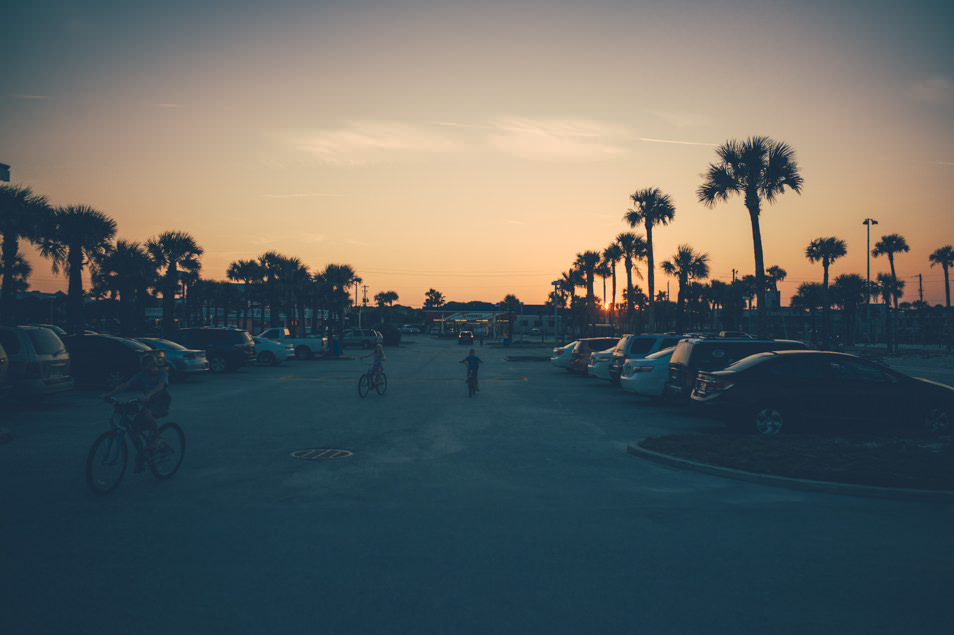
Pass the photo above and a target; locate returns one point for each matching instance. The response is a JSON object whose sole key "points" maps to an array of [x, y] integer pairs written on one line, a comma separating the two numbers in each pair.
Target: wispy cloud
{"points": [[168, 105], [18, 96], [311, 195], [935, 90], [685, 143], [556, 139], [372, 142]]}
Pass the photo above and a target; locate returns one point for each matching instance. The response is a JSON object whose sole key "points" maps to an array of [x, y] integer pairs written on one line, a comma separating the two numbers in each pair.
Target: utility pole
{"points": [[734, 271], [921, 288]]}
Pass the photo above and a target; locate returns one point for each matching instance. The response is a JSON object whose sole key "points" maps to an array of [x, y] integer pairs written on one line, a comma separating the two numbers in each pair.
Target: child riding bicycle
{"points": [[473, 364], [155, 400], [378, 366]]}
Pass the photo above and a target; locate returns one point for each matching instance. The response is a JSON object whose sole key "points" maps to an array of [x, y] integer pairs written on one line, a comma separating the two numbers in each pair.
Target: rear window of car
{"points": [[641, 345], [46, 342]]}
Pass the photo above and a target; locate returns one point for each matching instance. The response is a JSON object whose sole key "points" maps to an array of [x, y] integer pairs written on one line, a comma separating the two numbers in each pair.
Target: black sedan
{"points": [[104, 360], [815, 390]]}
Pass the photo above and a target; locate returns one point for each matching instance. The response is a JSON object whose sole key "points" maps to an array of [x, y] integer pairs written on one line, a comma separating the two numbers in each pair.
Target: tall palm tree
{"points": [[587, 262], [686, 265], [295, 283], [650, 208], [827, 250], [848, 292], [891, 289], [339, 279], [889, 245], [809, 297], [127, 270], [634, 247], [271, 263], [757, 169], [78, 236], [604, 271], [611, 256], [944, 256], [23, 214], [175, 254], [249, 273]]}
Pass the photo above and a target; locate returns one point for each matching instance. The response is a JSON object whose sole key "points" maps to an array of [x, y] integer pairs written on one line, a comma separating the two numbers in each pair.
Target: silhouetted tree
{"points": [[686, 265], [175, 255], [826, 250], [23, 215], [650, 208], [889, 245]]}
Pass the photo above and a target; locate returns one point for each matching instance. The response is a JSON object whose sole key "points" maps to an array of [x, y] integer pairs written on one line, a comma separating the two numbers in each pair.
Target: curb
{"points": [[868, 491]]}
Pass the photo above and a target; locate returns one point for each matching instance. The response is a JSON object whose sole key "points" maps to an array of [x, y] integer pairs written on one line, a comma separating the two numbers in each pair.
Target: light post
{"points": [[868, 222], [556, 309]]}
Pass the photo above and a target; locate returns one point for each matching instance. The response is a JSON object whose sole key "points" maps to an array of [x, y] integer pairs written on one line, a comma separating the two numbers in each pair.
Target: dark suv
{"points": [[710, 354], [226, 349], [637, 346]]}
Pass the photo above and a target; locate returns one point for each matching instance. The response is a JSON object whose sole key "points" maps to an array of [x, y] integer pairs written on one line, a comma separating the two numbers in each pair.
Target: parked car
{"points": [[269, 352], [561, 355], [779, 391], [38, 362], [580, 357], [183, 362], [600, 363], [465, 337], [107, 360], [647, 375], [363, 338], [636, 346], [304, 347], [227, 349], [707, 354]]}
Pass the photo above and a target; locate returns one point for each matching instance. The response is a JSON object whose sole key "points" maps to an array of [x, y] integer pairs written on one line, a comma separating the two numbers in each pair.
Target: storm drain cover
{"points": [[321, 454]]}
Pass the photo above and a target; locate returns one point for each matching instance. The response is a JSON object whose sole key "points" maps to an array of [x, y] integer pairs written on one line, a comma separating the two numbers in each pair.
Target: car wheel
{"points": [[266, 358], [302, 352], [114, 378], [768, 421], [217, 364], [937, 420]]}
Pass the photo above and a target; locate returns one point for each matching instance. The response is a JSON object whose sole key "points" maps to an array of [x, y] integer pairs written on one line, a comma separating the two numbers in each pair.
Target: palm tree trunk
{"points": [[74, 292], [8, 293], [650, 277], [759, 264]]}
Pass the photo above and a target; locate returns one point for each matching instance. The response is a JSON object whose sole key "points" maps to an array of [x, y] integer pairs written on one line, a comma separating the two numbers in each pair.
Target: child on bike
{"points": [[378, 366], [473, 363], [155, 400]]}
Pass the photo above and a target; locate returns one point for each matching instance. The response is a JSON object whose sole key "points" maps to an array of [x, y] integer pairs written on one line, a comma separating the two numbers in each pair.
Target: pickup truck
{"points": [[305, 347]]}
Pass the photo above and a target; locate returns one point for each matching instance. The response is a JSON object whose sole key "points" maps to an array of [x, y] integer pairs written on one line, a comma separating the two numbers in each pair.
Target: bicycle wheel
{"points": [[166, 459], [382, 383], [106, 462], [471, 387], [364, 385]]}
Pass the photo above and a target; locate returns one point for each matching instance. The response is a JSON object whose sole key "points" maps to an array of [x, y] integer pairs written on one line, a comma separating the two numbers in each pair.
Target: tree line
{"points": [[758, 170]]}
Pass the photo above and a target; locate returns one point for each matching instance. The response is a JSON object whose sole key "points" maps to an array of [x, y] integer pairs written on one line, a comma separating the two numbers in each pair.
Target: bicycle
{"points": [[471, 382], [107, 458], [367, 381]]}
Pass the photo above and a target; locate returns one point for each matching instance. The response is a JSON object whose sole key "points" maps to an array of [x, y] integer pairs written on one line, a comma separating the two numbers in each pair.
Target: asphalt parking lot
{"points": [[301, 507]]}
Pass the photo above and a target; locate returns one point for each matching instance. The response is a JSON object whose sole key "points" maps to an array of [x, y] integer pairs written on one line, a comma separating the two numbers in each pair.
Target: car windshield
{"points": [[46, 342]]}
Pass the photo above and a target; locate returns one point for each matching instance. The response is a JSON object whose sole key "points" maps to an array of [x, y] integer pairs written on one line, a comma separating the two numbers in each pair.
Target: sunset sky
{"points": [[477, 147]]}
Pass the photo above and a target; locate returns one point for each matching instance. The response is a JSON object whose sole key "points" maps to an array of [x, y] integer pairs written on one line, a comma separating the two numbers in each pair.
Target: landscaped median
{"points": [[856, 464]]}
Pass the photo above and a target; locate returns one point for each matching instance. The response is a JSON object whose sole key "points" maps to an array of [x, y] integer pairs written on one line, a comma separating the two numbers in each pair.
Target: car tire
{"points": [[302, 352], [937, 420], [218, 364], [266, 358], [768, 421]]}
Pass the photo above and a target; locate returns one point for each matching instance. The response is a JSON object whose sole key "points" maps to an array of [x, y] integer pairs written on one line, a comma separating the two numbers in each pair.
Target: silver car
{"points": [[183, 361], [38, 361]]}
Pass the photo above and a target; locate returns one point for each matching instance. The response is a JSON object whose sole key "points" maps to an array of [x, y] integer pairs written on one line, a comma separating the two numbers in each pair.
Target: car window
{"points": [[45, 342], [853, 370], [641, 345], [800, 367], [10, 342], [669, 342]]}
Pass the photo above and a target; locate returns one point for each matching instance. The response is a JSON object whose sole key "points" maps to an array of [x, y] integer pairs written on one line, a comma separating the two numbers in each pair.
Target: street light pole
{"points": [[556, 308], [868, 222]]}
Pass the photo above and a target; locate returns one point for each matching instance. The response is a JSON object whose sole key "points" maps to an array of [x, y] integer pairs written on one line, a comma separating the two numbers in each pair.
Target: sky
{"points": [[477, 147]]}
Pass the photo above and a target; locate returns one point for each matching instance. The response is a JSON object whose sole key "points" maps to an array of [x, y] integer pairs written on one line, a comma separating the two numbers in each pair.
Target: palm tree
{"points": [[774, 275], [889, 245], [23, 214], [295, 281], [809, 296], [944, 256], [604, 271], [848, 292], [827, 250], [385, 300], [21, 274], [433, 299], [686, 265], [757, 168], [249, 273], [339, 279], [513, 305], [634, 247], [586, 263], [271, 264], [650, 208], [176, 255], [611, 256], [78, 236], [890, 289], [127, 270]]}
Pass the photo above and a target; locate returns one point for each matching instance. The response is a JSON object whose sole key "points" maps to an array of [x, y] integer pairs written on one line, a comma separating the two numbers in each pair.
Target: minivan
{"points": [[636, 346], [38, 361]]}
